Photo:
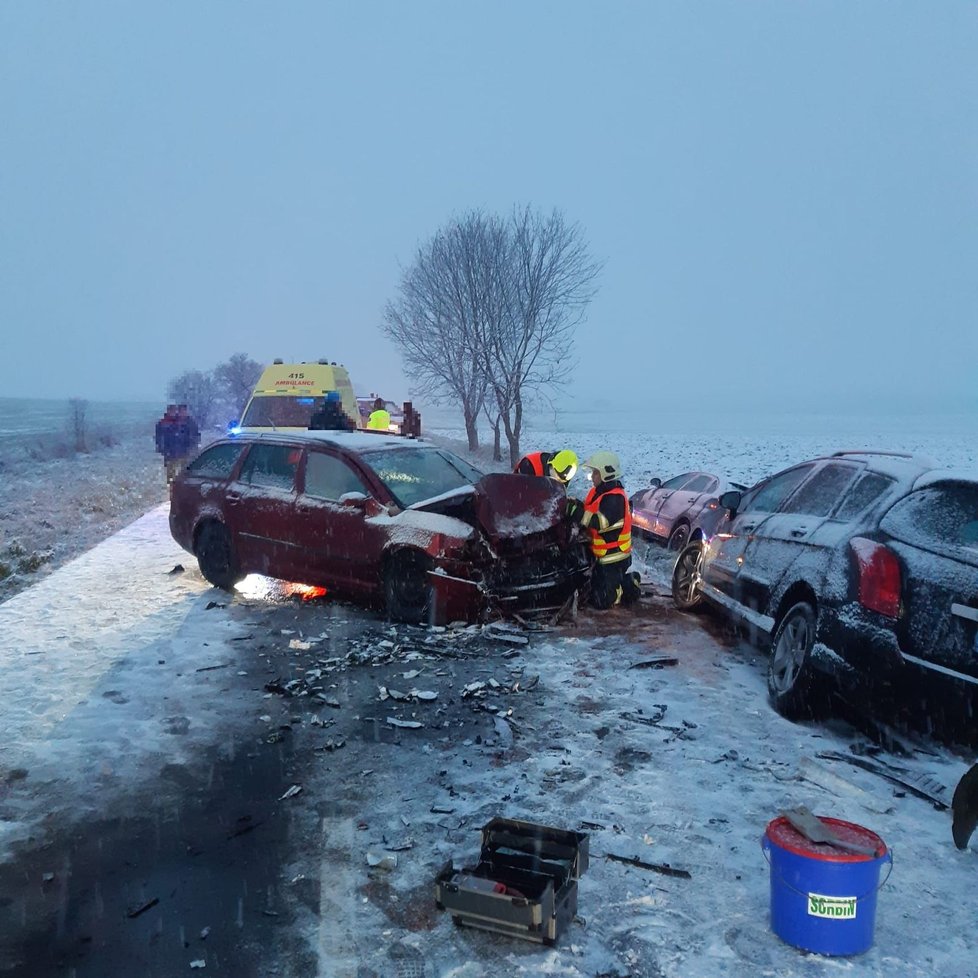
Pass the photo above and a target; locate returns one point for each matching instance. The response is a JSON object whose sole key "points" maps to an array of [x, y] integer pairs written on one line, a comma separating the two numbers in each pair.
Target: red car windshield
{"points": [[413, 475]]}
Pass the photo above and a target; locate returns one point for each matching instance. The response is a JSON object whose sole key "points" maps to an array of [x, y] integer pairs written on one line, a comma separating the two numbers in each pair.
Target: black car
{"points": [[855, 564], [682, 510]]}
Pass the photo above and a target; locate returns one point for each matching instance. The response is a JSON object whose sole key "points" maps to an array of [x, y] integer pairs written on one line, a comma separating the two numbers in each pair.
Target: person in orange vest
{"points": [[561, 465], [606, 515]]}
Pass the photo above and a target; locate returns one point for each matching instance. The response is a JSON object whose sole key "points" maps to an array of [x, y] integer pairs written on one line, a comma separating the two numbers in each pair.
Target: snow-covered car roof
{"points": [[897, 465], [946, 475], [355, 441]]}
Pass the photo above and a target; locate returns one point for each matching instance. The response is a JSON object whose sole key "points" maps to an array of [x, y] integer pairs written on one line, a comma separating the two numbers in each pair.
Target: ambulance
{"points": [[288, 394]]}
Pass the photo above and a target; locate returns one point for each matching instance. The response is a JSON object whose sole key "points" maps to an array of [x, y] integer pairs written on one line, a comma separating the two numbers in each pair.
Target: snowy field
{"points": [[743, 447]]}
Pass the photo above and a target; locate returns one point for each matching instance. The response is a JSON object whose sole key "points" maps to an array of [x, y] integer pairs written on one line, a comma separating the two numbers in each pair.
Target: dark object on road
{"points": [[525, 883], [664, 868], [136, 911], [861, 566], [385, 519], [685, 509], [655, 663], [176, 569], [964, 805]]}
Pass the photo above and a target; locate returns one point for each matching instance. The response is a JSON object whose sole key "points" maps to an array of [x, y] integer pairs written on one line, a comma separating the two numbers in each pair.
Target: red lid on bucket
{"points": [[783, 834]]}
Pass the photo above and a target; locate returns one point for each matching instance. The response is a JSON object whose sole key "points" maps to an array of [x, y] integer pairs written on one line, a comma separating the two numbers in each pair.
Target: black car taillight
{"points": [[878, 580]]}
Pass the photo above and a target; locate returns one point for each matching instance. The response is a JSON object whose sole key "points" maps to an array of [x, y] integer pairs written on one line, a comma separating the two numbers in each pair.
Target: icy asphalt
{"points": [[191, 783]]}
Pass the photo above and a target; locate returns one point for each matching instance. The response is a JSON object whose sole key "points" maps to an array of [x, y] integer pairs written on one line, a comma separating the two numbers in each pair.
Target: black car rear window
{"points": [[936, 516], [216, 462], [862, 495], [819, 495]]}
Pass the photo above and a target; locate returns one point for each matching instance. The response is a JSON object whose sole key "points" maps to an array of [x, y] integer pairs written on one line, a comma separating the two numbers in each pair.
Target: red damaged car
{"points": [[377, 518]]}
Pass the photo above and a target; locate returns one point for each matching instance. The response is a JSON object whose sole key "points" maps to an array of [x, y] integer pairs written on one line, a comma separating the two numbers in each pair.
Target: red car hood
{"points": [[508, 508]]}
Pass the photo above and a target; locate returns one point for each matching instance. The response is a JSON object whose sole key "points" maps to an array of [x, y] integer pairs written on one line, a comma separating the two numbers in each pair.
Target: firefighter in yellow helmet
{"points": [[380, 418], [561, 465], [606, 515]]}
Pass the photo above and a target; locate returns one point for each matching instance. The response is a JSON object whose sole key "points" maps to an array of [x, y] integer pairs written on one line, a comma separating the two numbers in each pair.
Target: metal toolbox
{"points": [[524, 885]]}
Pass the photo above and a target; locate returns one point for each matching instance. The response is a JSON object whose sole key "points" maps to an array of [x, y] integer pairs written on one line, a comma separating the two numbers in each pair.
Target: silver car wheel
{"points": [[790, 653]]}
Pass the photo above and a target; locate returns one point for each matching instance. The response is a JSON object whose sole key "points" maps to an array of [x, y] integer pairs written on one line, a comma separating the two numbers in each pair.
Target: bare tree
{"points": [[78, 408], [549, 280], [235, 379], [199, 391], [437, 315]]}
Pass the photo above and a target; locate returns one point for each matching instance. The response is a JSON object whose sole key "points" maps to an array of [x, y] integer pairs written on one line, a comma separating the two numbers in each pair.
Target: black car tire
{"points": [[686, 593], [216, 557], [678, 538], [406, 588], [792, 681]]}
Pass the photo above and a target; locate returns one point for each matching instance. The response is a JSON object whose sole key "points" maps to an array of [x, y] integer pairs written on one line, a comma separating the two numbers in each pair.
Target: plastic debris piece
{"points": [[386, 860], [664, 868], [292, 792]]}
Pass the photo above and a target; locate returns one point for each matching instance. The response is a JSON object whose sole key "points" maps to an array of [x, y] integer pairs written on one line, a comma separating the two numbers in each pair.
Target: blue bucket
{"points": [[823, 898]]}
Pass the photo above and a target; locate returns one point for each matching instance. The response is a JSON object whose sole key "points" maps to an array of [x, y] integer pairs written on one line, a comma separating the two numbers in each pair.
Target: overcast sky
{"points": [[785, 194]]}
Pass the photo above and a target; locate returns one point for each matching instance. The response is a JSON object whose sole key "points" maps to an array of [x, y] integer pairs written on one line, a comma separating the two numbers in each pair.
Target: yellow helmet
{"points": [[607, 464], [564, 465]]}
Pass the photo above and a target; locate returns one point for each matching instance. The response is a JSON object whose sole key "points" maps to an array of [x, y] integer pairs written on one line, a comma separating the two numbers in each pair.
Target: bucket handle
{"points": [[766, 848]]}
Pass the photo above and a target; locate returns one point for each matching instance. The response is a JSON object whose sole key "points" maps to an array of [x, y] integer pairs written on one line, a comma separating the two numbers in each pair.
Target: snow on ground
{"points": [[101, 675], [107, 677]]}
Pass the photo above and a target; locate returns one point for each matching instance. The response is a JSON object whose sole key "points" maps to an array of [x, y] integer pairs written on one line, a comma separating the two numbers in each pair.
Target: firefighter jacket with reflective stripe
{"points": [[379, 419], [536, 463], [608, 519]]}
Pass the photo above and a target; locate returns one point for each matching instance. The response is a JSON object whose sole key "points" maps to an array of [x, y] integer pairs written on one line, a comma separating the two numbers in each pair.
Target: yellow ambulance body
{"points": [[288, 394]]}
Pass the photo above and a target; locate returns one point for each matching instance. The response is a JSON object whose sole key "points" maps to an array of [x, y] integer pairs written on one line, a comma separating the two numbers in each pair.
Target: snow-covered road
{"points": [[115, 671]]}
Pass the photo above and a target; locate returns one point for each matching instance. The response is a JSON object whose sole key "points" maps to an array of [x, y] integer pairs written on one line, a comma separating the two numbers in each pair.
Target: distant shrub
{"points": [[29, 564]]}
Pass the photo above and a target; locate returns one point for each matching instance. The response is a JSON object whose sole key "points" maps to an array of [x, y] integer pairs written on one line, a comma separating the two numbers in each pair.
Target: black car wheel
{"points": [[679, 537], [686, 593], [215, 555], [792, 681], [406, 587]]}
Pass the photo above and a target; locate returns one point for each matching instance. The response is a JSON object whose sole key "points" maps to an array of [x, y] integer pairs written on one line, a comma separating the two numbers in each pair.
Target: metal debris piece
{"points": [[508, 637], [921, 785], [136, 911], [664, 868], [440, 810], [292, 792], [387, 860], [470, 689], [222, 665], [652, 720], [405, 724], [656, 662]]}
